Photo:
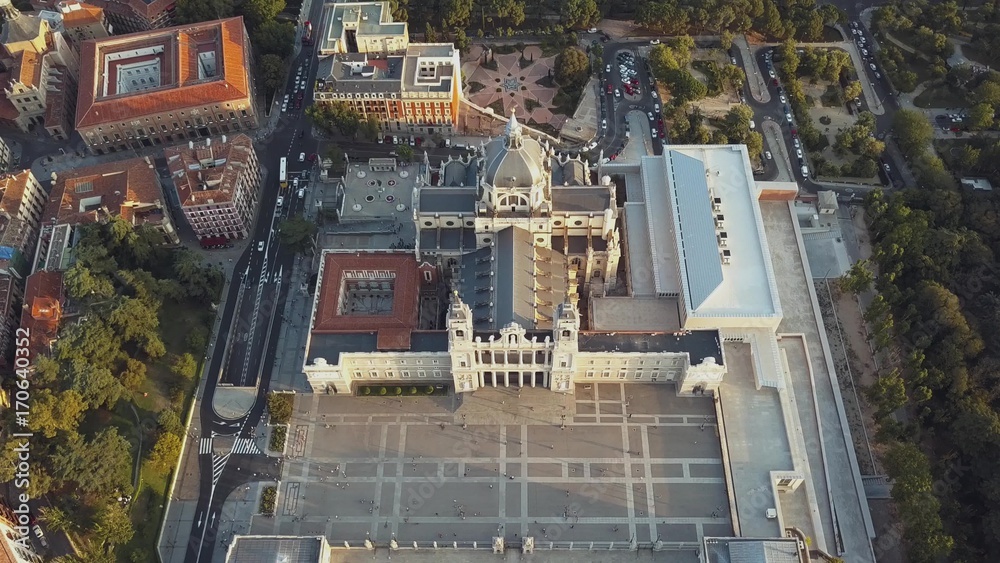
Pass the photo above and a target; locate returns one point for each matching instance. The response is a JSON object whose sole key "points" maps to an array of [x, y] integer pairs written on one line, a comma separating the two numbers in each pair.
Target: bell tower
{"points": [[567, 346], [461, 346]]}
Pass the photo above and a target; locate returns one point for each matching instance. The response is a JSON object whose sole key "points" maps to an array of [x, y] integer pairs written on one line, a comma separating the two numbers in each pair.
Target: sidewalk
{"points": [[755, 79]]}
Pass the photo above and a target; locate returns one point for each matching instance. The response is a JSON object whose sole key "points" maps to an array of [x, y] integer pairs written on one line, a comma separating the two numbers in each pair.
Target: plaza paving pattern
{"points": [[634, 462], [513, 86]]}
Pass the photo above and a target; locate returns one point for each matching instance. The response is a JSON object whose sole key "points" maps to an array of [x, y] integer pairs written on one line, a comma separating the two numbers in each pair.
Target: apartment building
{"points": [[218, 185], [166, 86], [40, 80], [367, 62], [22, 200], [129, 189], [126, 16], [78, 22]]}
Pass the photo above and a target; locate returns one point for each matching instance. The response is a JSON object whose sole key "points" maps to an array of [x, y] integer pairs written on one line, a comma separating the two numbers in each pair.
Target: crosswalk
{"points": [[205, 447], [246, 446], [218, 465]]}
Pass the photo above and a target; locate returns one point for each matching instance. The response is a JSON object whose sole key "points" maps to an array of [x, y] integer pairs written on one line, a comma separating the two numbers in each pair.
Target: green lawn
{"points": [[941, 96]]}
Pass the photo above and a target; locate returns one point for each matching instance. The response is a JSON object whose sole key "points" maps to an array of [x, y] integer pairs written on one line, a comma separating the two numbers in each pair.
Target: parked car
{"points": [[654, 42], [302, 157], [767, 155], [41, 537], [788, 117], [281, 201]]}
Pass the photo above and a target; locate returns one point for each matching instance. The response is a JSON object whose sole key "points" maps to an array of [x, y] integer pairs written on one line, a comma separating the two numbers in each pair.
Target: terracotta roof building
{"points": [[79, 22], [164, 86], [126, 16], [40, 82], [218, 185], [42, 310], [367, 62], [127, 188]]}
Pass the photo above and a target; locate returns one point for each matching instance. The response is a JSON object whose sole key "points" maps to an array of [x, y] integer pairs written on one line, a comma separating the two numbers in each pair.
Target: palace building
{"points": [[532, 268]]}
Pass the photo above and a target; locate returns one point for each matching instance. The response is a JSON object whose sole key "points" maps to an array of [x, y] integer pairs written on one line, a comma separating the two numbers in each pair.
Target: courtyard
{"points": [[612, 463]]}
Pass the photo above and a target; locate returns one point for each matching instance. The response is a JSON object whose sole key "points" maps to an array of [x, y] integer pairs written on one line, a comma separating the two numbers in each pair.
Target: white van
{"points": [[752, 125], [302, 193], [281, 201], [295, 183], [805, 171]]}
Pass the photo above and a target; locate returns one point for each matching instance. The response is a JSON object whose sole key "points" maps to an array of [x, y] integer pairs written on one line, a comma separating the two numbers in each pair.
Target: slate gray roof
{"points": [[474, 285], [700, 249], [447, 239], [590, 199], [448, 200], [250, 549], [515, 287], [523, 163], [573, 172], [739, 550], [458, 173], [699, 344]]}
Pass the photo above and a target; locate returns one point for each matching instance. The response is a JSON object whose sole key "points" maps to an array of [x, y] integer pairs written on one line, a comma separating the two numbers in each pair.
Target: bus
{"points": [[283, 173]]}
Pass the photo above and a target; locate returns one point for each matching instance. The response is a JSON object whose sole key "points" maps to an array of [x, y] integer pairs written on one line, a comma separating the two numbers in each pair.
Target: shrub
{"points": [[366, 391], [429, 390], [280, 407], [268, 500], [382, 391], [278, 437], [397, 390]]}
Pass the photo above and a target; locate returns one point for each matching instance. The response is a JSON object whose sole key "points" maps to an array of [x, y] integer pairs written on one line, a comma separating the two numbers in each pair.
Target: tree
{"points": [[887, 394], [102, 466], [113, 526], [580, 13], [337, 159], [852, 90], [297, 234], [572, 67], [726, 38], [405, 153], [168, 422], [275, 38], [981, 116], [913, 132], [185, 366], [272, 72], [96, 385], [257, 12], [165, 452], [430, 36], [57, 520], [858, 279], [462, 41], [684, 87], [789, 59], [988, 93], [279, 405], [82, 284], [457, 14], [370, 128], [195, 11], [53, 411]]}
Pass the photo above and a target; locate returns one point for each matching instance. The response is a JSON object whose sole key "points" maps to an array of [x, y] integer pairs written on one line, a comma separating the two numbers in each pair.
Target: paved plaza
{"points": [[632, 463]]}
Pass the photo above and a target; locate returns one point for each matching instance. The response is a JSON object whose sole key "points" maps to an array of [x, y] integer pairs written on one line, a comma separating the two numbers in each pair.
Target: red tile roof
{"points": [[394, 328], [43, 299], [181, 88], [221, 181], [125, 187], [84, 15]]}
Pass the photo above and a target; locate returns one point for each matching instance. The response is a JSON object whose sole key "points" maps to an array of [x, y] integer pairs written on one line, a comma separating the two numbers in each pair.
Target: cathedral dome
{"points": [[514, 160]]}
